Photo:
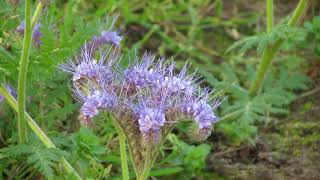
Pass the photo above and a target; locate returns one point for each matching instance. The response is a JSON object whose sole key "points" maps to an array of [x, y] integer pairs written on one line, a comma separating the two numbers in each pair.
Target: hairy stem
{"points": [[22, 131], [270, 51], [123, 155], [123, 151], [37, 130], [29, 25]]}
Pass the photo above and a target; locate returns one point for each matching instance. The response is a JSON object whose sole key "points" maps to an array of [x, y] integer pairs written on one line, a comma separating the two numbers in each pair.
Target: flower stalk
{"points": [[37, 130], [270, 51]]}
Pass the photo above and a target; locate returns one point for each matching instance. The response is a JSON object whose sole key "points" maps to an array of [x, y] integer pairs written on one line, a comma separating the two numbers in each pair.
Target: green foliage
{"points": [[87, 143], [277, 94], [262, 41], [313, 28], [45, 160], [191, 158]]}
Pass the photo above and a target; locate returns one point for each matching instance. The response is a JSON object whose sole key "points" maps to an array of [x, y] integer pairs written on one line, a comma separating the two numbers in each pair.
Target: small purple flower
{"points": [[36, 35], [90, 107], [1, 98], [21, 27], [11, 90], [107, 37]]}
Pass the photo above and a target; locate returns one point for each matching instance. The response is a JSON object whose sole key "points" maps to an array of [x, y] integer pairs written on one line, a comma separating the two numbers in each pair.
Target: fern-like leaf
{"points": [[42, 159]]}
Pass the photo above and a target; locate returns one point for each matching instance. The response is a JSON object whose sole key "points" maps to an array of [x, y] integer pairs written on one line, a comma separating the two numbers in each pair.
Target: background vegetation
{"points": [[274, 135]]}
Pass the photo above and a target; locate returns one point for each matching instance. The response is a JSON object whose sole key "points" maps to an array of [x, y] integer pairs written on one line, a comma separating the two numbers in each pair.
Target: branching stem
{"points": [[270, 51]]}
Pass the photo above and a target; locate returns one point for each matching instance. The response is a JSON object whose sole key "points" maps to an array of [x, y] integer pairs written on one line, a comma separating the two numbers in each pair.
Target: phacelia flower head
{"points": [[149, 88], [146, 98], [36, 35]]}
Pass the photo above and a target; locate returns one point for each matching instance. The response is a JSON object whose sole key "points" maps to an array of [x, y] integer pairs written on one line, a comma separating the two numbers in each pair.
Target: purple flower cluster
{"points": [[149, 96], [149, 89], [36, 32]]}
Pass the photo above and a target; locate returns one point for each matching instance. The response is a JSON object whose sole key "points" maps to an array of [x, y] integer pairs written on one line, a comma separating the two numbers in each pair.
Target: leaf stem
{"points": [[270, 51], [36, 14], [37, 130], [269, 15], [23, 73]]}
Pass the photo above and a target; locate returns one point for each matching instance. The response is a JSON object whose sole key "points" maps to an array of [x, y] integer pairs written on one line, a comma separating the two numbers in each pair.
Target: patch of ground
{"points": [[287, 149]]}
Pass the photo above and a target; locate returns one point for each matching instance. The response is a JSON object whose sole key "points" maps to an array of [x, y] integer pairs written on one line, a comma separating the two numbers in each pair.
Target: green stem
{"points": [[123, 155], [37, 130], [145, 173], [29, 25], [23, 73], [36, 14], [270, 51], [269, 15], [123, 151]]}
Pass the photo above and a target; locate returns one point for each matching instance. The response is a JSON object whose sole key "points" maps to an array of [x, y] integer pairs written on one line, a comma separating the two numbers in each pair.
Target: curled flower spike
{"points": [[95, 102], [110, 37], [146, 99], [86, 67], [144, 73], [150, 122], [36, 35], [106, 37]]}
